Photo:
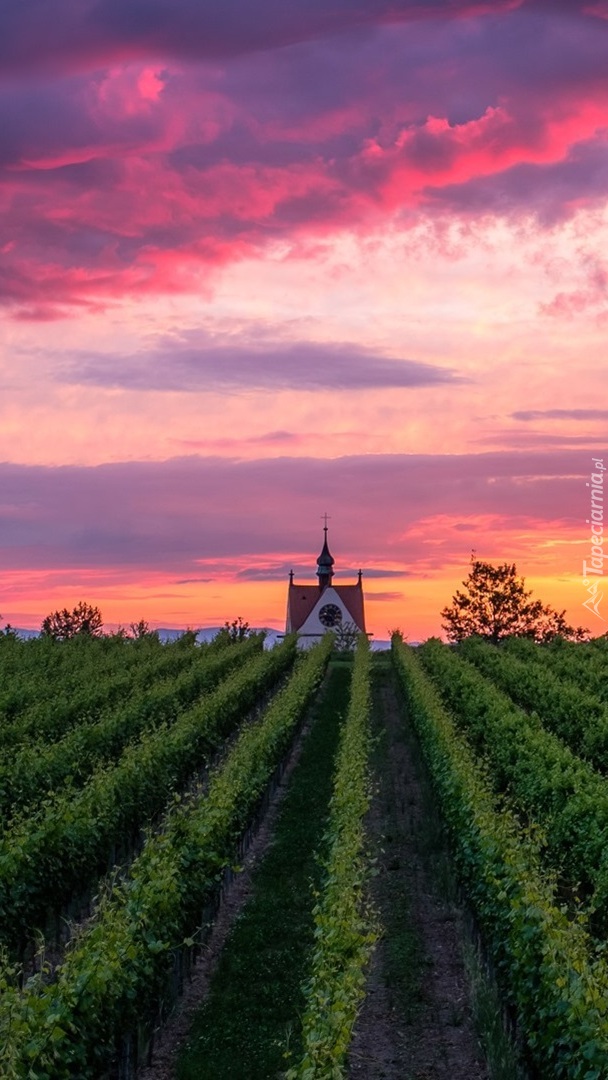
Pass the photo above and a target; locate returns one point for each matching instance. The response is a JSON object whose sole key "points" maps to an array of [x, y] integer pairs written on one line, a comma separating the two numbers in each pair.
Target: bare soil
{"points": [[416, 1021]]}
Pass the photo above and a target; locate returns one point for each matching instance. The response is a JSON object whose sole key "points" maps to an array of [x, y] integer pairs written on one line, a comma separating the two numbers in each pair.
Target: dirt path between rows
{"points": [[416, 1021]]}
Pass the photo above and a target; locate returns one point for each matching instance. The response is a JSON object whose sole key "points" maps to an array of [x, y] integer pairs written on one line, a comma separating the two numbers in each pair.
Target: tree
{"points": [[140, 631], [497, 605], [84, 620], [8, 631], [234, 631], [346, 635]]}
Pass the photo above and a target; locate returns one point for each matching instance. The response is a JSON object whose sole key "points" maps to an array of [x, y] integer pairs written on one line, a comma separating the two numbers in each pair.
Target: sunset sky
{"points": [[266, 259]]}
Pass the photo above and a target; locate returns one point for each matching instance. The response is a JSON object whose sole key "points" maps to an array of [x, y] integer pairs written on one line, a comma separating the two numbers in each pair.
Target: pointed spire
{"points": [[325, 562]]}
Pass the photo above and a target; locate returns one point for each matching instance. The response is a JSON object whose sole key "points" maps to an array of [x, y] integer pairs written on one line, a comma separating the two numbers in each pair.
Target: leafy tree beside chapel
{"points": [[495, 604]]}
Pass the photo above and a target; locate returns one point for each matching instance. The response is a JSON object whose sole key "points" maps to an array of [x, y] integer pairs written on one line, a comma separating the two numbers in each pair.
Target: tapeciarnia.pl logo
{"points": [[593, 569]]}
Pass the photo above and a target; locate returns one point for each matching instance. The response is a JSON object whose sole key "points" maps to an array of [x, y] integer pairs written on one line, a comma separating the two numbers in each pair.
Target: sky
{"points": [[262, 260]]}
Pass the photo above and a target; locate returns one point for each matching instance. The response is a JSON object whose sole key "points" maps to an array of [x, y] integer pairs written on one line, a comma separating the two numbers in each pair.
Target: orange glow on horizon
{"points": [[415, 607]]}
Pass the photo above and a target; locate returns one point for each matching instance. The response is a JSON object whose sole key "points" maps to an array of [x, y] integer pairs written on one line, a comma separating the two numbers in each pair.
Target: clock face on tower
{"points": [[330, 615]]}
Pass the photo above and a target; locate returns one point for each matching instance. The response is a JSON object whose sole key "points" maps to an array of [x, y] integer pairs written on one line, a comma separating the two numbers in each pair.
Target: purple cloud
{"points": [[527, 439], [549, 190], [194, 362], [194, 516], [586, 415], [78, 33], [280, 572]]}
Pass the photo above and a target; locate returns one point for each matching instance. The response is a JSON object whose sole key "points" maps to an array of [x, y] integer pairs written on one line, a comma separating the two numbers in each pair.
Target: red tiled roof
{"points": [[301, 599], [352, 595]]}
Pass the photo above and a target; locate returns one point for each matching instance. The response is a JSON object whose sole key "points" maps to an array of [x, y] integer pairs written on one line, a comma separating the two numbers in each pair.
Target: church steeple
{"points": [[325, 562], [313, 609]]}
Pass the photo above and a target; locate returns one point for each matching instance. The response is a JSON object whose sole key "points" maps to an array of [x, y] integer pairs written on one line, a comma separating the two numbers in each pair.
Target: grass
{"points": [[252, 1012], [501, 1055], [404, 960]]}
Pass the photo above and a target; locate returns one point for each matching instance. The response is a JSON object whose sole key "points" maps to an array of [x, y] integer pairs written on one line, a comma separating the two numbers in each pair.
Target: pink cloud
{"points": [[593, 297], [428, 157], [137, 176], [600, 10]]}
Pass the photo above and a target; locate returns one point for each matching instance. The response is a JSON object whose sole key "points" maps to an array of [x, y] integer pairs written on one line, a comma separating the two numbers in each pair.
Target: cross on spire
{"points": [[325, 561]]}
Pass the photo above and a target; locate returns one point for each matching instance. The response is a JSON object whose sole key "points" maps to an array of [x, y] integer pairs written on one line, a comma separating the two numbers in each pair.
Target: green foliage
{"points": [[496, 604], [188, 639], [581, 663], [544, 960], [7, 633], [541, 683], [547, 782], [84, 620], [141, 631], [118, 971], [38, 767], [86, 678], [57, 850], [256, 995], [233, 632], [344, 932]]}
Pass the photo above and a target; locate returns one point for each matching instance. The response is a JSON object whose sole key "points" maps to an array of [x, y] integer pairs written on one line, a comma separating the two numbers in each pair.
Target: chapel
{"points": [[314, 609]]}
